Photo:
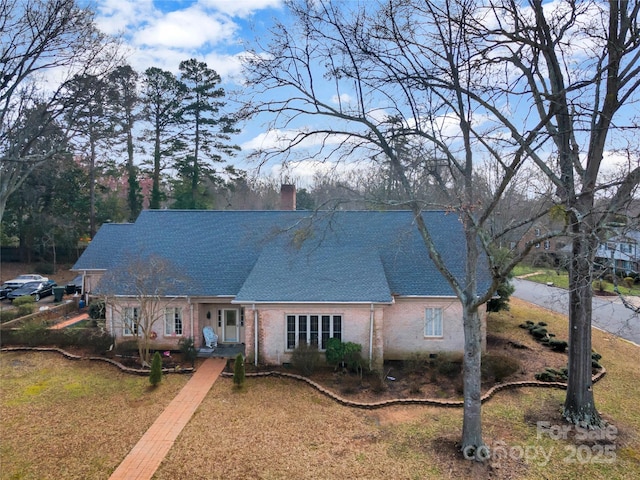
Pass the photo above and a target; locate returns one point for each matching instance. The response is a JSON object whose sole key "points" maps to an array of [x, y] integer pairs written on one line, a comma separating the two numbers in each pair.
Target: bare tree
{"points": [[574, 68], [139, 294], [343, 83], [39, 39]]}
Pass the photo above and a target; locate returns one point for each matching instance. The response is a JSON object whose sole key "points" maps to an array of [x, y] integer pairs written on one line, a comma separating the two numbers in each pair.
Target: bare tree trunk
{"points": [[472, 443], [579, 406]]}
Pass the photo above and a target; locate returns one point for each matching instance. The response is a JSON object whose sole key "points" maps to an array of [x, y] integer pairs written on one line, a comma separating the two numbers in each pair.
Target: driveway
{"points": [[609, 314]]}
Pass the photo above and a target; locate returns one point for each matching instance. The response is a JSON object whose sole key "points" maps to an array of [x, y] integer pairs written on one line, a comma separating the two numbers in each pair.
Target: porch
{"points": [[223, 350]]}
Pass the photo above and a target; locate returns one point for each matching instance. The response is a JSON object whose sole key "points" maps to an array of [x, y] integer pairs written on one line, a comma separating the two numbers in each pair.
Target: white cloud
{"points": [[116, 16], [241, 8], [344, 99], [190, 28]]}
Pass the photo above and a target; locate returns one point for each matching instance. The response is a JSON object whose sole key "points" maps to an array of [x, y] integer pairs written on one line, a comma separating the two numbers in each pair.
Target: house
{"points": [[272, 279], [620, 253]]}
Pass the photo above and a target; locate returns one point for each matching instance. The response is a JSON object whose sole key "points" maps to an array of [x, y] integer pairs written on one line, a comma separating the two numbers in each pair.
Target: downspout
{"points": [[371, 315], [255, 334], [191, 314]]}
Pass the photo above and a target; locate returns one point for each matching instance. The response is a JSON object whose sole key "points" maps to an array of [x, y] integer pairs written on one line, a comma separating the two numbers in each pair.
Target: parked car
{"points": [[4, 291], [35, 289], [21, 280], [74, 286]]}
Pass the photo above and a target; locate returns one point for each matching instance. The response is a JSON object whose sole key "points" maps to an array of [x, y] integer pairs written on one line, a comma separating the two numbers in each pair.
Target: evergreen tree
{"points": [[206, 137], [155, 377], [162, 96]]}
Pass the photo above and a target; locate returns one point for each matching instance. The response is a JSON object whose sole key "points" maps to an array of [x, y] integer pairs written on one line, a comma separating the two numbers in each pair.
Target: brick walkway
{"points": [[146, 456], [71, 321]]}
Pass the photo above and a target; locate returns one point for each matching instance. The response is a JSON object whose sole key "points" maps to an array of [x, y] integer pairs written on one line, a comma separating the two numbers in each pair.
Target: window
{"points": [[547, 244], [313, 330], [433, 322], [173, 321], [131, 317], [537, 232]]}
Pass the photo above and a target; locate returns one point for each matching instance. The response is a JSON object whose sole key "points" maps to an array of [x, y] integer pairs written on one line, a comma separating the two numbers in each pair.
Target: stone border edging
{"points": [[71, 356], [343, 401], [415, 401]]}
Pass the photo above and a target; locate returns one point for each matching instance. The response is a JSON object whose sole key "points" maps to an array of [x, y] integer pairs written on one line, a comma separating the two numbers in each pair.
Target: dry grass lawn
{"points": [[63, 419]]}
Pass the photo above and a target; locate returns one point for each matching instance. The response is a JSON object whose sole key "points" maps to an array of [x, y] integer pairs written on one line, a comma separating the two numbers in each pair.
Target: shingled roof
{"points": [[287, 256]]}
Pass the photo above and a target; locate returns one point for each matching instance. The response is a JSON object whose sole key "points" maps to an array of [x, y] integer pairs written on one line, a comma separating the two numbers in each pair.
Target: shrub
{"points": [[552, 375], [97, 309], [238, 371], [558, 345], [352, 356], [188, 350], [155, 376], [334, 352], [25, 305], [449, 365], [305, 358], [33, 333], [498, 367], [416, 364], [539, 332], [8, 315], [503, 293], [628, 282]]}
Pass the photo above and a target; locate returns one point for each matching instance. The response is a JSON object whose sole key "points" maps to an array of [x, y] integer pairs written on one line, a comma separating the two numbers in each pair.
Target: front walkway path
{"points": [[71, 321], [145, 458]]}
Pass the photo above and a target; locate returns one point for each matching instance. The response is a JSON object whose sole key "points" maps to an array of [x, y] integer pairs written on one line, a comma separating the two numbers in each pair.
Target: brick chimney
{"points": [[288, 197]]}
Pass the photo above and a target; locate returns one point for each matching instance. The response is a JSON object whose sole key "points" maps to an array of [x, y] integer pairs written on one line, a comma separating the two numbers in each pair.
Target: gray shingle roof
{"points": [[288, 256]]}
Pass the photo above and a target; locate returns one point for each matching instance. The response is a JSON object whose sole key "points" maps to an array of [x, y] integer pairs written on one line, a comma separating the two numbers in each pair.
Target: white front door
{"points": [[230, 326]]}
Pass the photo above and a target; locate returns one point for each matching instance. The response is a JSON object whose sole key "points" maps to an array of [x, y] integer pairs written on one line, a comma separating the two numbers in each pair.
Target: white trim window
{"points": [[312, 329], [130, 318], [173, 321], [433, 322]]}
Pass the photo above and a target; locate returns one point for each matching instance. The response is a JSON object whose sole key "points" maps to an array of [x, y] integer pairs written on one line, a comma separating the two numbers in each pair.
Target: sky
{"points": [[162, 33]]}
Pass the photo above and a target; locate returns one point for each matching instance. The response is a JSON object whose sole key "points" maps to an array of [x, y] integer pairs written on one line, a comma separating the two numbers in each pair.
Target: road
{"points": [[608, 312]]}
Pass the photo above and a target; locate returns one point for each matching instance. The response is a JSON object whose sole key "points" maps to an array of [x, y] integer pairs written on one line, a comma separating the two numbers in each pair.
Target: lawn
{"points": [[64, 419], [560, 278]]}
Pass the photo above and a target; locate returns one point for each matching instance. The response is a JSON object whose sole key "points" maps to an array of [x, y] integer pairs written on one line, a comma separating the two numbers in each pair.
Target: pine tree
{"points": [[155, 377]]}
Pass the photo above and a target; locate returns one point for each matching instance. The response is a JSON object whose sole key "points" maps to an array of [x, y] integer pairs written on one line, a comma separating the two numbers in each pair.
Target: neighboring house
{"points": [[546, 249], [273, 279], [620, 253]]}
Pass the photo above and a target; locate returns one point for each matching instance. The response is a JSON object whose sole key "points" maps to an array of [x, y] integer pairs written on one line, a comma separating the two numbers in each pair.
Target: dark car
{"points": [[4, 291], [35, 289], [74, 286]]}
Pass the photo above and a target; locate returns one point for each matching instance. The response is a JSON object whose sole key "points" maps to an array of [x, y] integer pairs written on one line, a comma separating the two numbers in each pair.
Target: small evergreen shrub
{"points": [[238, 371], [353, 356], [305, 358], [552, 375], [8, 315], [334, 351], [188, 350], [155, 376], [558, 345], [25, 305], [539, 333], [346, 354]]}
